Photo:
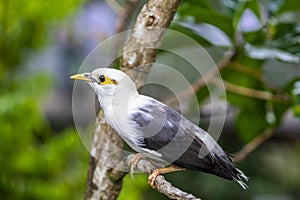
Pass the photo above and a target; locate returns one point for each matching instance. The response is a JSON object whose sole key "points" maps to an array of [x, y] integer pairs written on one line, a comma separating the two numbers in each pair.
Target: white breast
{"points": [[117, 116]]}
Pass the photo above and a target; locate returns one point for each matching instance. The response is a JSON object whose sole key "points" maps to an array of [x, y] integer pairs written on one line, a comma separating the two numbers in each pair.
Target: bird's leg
{"points": [[133, 162], [157, 172]]}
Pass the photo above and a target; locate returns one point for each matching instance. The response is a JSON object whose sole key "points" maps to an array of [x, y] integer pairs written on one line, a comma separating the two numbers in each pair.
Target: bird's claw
{"points": [[152, 177], [134, 161]]}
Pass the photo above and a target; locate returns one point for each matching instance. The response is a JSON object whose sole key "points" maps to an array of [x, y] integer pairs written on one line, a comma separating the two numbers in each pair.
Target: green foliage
{"points": [[296, 98], [54, 170], [35, 162], [277, 39], [23, 25], [134, 187], [189, 32], [288, 5], [252, 5], [201, 11]]}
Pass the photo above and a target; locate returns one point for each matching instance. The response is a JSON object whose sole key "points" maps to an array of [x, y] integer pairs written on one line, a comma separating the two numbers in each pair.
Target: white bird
{"points": [[149, 126]]}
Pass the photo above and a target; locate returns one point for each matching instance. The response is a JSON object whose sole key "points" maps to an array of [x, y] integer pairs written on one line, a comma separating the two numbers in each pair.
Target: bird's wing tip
{"points": [[242, 184], [240, 177]]}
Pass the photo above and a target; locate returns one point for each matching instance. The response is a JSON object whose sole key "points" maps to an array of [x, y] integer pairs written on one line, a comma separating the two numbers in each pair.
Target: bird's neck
{"points": [[120, 100], [117, 109], [104, 101]]}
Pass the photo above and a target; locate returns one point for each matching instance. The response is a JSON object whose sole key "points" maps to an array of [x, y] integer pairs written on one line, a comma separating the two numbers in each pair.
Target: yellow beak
{"points": [[82, 77]]}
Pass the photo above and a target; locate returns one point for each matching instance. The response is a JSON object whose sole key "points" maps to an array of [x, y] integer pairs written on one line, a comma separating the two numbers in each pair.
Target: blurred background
{"points": [[43, 43]]}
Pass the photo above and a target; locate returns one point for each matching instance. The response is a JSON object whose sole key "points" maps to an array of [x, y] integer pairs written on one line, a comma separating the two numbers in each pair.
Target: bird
{"points": [[151, 127]]}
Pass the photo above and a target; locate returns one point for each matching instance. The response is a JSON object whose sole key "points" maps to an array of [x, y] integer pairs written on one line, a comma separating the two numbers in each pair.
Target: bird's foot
{"points": [[134, 161], [152, 177]]}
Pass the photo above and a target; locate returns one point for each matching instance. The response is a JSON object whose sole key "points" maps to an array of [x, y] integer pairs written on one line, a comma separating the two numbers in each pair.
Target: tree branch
{"points": [[124, 20], [202, 81], [105, 145], [140, 52], [115, 6], [259, 94], [161, 184], [251, 146], [141, 48], [138, 56], [126, 14], [256, 74], [226, 62]]}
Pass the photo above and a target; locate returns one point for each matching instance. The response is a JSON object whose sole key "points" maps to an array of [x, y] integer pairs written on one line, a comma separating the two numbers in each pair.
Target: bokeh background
{"points": [[43, 43]]}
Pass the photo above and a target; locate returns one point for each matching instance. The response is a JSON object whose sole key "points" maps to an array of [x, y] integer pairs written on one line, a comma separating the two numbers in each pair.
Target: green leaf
{"points": [[134, 188], [279, 110], [204, 4], [202, 94], [281, 74], [229, 6], [206, 14], [251, 122], [26, 28], [296, 98], [289, 5], [191, 33], [255, 37], [234, 75], [286, 37], [267, 52], [253, 5], [251, 119]]}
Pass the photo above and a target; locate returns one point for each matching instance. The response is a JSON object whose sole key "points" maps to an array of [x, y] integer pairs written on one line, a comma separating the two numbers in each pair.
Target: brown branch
{"points": [[251, 146], [115, 6], [258, 94], [104, 155], [124, 20], [256, 74], [162, 185], [280, 96], [138, 56], [105, 139], [126, 14], [141, 48], [140, 52], [202, 81]]}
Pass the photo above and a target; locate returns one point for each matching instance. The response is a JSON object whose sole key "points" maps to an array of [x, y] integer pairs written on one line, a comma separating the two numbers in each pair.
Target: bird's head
{"points": [[108, 83]]}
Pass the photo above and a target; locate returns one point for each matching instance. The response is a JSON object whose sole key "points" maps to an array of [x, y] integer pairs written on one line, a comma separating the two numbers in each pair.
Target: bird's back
{"points": [[179, 141]]}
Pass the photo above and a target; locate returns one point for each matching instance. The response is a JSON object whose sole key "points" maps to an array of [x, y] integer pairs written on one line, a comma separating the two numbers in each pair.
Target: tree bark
{"points": [[105, 141], [141, 48], [161, 184], [138, 56]]}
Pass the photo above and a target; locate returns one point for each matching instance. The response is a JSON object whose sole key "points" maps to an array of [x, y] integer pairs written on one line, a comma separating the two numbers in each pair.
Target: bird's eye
{"points": [[102, 78]]}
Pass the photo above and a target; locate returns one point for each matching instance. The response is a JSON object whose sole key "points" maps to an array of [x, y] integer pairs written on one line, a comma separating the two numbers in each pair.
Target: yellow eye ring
{"points": [[104, 80]]}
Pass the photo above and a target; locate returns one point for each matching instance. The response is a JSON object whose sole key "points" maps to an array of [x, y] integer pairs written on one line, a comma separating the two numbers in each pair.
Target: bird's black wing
{"points": [[179, 141]]}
